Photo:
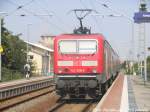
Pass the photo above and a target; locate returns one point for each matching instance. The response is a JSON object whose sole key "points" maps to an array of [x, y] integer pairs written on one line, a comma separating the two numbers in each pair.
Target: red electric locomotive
{"points": [[84, 64]]}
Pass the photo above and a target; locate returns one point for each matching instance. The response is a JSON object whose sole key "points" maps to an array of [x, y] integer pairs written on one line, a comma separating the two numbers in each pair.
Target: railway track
{"points": [[9, 103], [89, 107], [12, 96], [11, 90], [74, 106], [57, 106], [44, 90]]}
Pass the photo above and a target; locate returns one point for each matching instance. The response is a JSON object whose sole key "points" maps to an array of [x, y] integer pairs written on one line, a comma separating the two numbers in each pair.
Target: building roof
{"points": [[40, 46], [48, 36]]}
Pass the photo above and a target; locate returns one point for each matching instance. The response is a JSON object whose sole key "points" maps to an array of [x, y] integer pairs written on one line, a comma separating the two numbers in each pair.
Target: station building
{"points": [[42, 59], [47, 41]]}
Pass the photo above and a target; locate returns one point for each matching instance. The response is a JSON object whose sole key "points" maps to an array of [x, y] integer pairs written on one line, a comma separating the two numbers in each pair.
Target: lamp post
{"points": [[28, 36], [28, 31]]}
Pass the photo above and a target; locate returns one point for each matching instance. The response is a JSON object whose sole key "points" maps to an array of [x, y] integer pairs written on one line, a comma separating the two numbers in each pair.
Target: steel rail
{"points": [[87, 108], [7, 106], [17, 90], [57, 105]]}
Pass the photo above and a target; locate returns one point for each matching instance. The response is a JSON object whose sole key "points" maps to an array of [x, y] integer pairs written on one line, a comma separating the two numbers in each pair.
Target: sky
{"points": [[54, 17]]}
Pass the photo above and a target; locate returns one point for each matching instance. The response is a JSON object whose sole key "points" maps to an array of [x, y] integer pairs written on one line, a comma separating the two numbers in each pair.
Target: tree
{"points": [[14, 55]]}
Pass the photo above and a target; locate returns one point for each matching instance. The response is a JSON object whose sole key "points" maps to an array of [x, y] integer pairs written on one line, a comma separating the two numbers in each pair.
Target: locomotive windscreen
{"points": [[68, 46], [78, 46]]}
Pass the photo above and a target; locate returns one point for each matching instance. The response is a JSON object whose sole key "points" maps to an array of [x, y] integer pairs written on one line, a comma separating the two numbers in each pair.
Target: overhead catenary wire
{"points": [[120, 14], [36, 15], [94, 18], [26, 4], [55, 15], [93, 6], [39, 6], [43, 9], [97, 23], [19, 7], [115, 11]]}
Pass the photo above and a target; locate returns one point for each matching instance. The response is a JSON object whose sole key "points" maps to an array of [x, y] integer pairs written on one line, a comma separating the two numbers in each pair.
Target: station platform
{"points": [[23, 81], [127, 94]]}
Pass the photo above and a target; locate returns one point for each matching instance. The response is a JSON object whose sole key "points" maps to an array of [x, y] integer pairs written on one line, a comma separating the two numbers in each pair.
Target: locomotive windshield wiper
{"points": [[94, 51]]}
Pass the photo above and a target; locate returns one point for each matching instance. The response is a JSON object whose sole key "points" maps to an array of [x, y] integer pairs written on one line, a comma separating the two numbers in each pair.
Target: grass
{"points": [[8, 75]]}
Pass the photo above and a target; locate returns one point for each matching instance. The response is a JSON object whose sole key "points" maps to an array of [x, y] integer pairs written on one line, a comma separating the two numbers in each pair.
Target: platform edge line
{"points": [[124, 107]]}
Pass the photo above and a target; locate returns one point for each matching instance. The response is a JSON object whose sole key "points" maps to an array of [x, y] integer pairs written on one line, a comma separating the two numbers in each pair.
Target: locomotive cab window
{"points": [[87, 46], [77, 46], [68, 46]]}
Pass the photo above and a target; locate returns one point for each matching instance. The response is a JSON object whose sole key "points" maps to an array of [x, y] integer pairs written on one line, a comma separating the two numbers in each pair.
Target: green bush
{"points": [[8, 74]]}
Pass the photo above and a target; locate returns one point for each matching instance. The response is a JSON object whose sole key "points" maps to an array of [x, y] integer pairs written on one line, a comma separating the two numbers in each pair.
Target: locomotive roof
{"points": [[99, 35], [86, 35]]}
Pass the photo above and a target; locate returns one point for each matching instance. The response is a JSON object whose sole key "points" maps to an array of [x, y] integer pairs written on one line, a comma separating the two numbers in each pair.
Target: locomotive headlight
{"points": [[59, 71], [89, 63], [65, 63], [94, 70]]}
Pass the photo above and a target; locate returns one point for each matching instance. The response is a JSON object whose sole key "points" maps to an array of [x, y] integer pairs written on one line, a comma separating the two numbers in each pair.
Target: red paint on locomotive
{"points": [[77, 59], [80, 73]]}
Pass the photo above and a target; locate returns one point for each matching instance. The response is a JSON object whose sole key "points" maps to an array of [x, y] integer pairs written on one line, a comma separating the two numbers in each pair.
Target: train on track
{"points": [[84, 64]]}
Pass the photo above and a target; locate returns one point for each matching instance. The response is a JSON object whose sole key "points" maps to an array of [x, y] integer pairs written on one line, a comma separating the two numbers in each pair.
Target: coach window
{"points": [[68, 46], [87, 46]]}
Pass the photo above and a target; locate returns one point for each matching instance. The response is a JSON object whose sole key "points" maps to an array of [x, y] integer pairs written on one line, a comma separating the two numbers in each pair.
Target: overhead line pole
{"points": [[0, 43], [28, 36], [0, 46]]}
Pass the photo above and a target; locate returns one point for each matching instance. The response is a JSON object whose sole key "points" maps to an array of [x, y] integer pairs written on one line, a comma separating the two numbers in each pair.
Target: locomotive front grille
{"points": [[76, 81]]}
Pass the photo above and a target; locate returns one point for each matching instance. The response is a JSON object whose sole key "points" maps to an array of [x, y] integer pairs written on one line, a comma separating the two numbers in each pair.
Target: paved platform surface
{"points": [[141, 93], [127, 94], [22, 81]]}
